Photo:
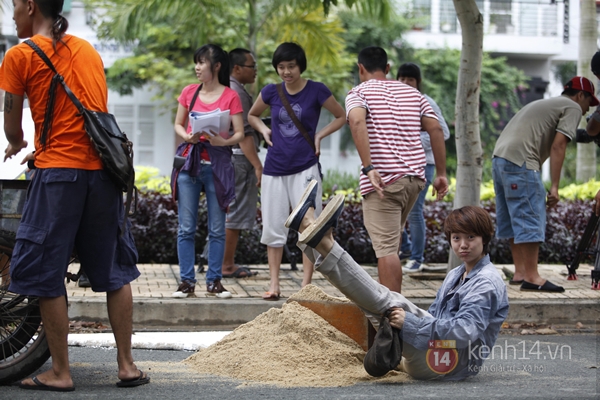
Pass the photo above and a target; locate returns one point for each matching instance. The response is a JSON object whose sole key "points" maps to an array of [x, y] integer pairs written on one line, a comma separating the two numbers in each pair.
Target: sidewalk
{"points": [[154, 306]]}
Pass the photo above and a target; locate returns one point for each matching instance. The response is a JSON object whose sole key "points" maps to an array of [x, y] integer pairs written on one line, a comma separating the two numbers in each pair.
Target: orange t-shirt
{"points": [[24, 73]]}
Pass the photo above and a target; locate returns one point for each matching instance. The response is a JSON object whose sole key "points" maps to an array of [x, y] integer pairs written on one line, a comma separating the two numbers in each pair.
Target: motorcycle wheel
{"points": [[23, 345]]}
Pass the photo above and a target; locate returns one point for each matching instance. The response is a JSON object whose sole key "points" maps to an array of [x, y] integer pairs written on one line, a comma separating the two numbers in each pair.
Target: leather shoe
{"points": [[546, 287]]}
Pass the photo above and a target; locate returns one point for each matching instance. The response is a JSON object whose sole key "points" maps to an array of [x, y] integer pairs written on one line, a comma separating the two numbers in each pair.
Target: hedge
{"points": [[155, 232]]}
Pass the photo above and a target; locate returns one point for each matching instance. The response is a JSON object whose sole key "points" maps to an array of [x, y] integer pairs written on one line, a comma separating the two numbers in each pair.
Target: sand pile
{"points": [[291, 346], [312, 292]]}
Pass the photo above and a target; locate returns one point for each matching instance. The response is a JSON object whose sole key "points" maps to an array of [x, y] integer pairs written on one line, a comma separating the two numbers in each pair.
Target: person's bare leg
{"points": [[231, 241], [390, 272], [308, 268], [119, 304], [274, 255], [326, 244], [525, 257], [56, 325]]}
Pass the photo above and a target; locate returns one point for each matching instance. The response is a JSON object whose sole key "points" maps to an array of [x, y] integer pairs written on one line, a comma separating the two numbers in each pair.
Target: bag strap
{"points": [[44, 57], [189, 146], [292, 114], [194, 98], [130, 186]]}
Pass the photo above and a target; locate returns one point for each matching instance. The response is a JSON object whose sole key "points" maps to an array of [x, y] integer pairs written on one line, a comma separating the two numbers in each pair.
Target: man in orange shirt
{"points": [[71, 203]]}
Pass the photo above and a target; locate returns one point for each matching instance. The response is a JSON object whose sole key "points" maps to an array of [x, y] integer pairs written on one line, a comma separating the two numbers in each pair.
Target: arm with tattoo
{"points": [[13, 113]]}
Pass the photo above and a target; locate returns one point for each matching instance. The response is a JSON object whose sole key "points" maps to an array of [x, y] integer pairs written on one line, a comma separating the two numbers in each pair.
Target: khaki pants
{"points": [[385, 217]]}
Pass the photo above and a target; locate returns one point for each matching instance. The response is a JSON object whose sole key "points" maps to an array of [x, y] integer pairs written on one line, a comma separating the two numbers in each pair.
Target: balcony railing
{"points": [[500, 17]]}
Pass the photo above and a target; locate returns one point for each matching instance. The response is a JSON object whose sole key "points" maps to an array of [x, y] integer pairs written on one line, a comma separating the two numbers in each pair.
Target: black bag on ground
{"points": [[112, 145], [386, 352]]}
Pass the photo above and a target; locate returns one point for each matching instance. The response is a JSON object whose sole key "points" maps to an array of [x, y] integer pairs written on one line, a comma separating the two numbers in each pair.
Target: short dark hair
{"points": [[215, 54], [290, 51], [237, 56], [595, 64], [573, 92], [409, 70], [470, 219], [373, 58]]}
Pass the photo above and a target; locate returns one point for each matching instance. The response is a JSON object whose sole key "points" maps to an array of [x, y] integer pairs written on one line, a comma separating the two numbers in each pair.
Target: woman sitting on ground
{"points": [[469, 308]]}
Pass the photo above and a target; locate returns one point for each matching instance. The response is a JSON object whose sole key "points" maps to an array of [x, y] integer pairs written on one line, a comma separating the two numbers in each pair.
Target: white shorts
{"points": [[279, 194]]}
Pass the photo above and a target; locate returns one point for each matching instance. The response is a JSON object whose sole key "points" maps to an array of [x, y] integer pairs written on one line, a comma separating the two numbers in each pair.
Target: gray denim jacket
{"points": [[469, 312]]}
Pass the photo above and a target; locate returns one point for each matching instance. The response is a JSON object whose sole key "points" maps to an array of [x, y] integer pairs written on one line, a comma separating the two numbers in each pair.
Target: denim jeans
{"points": [[189, 189], [416, 243], [520, 202]]}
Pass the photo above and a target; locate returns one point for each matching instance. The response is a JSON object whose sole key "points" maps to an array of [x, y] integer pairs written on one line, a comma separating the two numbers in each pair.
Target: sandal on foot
{"points": [[142, 379], [271, 296], [42, 386], [241, 272]]}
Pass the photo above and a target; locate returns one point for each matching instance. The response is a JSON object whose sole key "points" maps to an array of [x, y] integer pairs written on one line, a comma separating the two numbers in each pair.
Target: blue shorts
{"points": [[520, 202], [70, 209]]}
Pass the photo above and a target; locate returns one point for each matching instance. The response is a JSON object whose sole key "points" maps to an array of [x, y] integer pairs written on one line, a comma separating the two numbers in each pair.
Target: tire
{"points": [[23, 345]]}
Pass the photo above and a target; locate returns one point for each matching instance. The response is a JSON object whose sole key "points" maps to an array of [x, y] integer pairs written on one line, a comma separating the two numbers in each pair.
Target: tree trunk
{"points": [[469, 153], [586, 152]]}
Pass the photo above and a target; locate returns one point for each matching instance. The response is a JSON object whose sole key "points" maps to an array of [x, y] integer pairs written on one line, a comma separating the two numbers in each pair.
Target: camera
{"points": [[583, 137]]}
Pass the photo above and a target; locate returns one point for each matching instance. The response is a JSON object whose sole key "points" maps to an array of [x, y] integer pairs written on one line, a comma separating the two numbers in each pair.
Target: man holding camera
{"points": [[593, 125], [540, 130]]}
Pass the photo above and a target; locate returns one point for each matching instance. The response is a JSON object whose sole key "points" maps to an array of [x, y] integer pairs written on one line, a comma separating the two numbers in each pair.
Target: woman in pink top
{"points": [[207, 168]]}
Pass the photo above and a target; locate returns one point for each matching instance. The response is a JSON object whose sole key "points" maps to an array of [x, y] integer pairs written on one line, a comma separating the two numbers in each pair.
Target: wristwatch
{"points": [[368, 168]]}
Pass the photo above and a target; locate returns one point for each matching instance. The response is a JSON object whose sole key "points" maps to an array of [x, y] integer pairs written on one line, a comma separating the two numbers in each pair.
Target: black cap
{"points": [[596, 64]]}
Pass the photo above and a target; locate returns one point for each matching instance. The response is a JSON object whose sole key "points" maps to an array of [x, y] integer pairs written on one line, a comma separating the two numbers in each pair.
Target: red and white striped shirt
{"points": [[394, 112]]}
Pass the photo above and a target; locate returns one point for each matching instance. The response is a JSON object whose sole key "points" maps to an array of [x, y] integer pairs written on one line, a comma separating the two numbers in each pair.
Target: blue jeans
{"points": [[189, 189], [416, 243], [520, 202]]}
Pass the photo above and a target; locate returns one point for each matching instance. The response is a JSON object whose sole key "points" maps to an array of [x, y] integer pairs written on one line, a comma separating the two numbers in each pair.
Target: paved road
{"points": [[536, 369]]}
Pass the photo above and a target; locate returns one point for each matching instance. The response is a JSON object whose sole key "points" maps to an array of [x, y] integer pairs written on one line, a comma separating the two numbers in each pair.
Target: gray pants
{"points": [[373, 298]]}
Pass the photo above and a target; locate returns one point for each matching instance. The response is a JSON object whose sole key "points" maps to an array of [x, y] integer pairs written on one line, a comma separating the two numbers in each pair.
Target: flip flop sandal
{"points": [[142, 379], [247, 273], [42, 386], [270, 296]]}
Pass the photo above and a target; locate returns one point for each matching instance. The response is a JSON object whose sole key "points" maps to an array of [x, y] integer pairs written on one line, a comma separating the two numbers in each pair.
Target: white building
{"points": [[532, 34], [147, 123]]}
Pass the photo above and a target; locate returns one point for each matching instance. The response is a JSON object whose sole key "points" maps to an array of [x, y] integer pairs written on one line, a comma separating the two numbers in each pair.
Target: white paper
{"points": [[213, 121]]}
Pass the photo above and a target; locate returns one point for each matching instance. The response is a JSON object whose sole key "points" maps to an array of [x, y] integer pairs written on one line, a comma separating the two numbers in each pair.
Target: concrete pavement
{"points": [[154, 308]]}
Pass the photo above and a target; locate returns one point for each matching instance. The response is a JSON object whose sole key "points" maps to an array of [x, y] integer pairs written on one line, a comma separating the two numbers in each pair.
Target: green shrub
{"points": [[155, 226], [148, 179]]}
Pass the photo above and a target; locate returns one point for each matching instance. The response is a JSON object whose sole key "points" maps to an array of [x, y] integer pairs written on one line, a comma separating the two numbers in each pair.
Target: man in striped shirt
{"points": [[386, 118]]}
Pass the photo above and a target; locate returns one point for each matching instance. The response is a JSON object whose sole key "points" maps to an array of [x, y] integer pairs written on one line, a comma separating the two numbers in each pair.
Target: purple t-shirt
{"points": [[290, 152]]}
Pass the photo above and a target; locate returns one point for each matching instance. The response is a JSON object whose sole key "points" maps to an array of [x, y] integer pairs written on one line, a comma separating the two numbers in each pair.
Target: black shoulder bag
{"points": [[112, 145]]}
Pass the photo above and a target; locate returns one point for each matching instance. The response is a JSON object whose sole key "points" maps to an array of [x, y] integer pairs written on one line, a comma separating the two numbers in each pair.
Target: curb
{"points": [[230, 313]]}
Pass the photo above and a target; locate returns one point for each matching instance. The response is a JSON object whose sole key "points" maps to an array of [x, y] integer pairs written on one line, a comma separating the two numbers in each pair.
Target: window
{"points": [[448, 19], [137, 121]]}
